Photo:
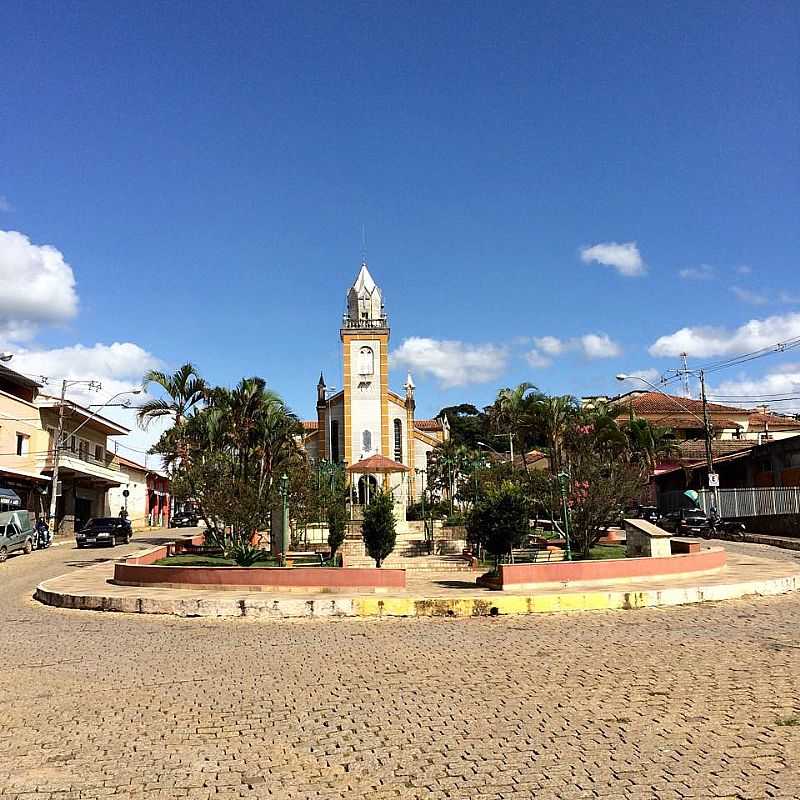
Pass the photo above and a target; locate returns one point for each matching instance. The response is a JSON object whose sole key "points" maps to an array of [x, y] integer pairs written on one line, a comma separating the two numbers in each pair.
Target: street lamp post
{"points": [[58, 443], [510, 443], [713, 480], [284, 492], [563, 483]]}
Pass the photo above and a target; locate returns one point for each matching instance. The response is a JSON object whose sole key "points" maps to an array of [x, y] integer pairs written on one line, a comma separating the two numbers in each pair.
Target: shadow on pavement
{"points": [[456, 584]]}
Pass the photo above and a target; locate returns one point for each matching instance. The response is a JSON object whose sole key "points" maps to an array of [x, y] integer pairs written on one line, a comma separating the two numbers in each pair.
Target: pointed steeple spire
{"points": [[365, 302], [321, 389]]}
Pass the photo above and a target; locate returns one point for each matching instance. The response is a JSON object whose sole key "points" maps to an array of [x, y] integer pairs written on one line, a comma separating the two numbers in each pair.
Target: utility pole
{"points": [[56, 452], [685, 375], [713, 480]]}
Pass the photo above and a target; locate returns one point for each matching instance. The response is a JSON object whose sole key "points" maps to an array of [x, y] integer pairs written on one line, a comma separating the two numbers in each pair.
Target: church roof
{"points": [[428, 424], [377, 463]]}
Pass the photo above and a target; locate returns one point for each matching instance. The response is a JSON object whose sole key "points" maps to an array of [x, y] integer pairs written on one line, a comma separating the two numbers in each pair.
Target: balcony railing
{"points": [[364, 324], [107, 461]]}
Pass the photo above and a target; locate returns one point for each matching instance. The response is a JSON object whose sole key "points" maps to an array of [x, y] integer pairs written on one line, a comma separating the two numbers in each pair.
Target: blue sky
{"points": [[205, 170]]}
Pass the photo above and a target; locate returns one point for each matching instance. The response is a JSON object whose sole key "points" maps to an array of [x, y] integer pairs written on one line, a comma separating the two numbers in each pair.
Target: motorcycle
{"points": [[43, 536], [719, 528]]}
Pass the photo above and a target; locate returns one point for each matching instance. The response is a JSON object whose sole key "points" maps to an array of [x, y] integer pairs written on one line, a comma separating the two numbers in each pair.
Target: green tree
{"points": [[499, 520], [468, 425], [378, 527]]}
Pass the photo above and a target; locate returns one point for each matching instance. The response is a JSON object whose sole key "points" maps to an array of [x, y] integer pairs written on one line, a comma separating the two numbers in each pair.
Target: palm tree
{"points": [[184, 389], [513, 413], [552, 416]]}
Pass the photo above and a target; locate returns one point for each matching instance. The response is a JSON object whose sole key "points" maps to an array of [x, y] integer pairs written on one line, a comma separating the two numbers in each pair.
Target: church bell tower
{"points": [[365, 355]]}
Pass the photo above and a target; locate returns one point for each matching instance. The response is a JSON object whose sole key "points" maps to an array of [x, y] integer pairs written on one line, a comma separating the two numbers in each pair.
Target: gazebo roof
{"points": [[377, 463]]}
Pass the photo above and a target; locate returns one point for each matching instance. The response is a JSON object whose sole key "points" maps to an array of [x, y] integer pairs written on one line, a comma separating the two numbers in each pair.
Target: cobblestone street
{"points": [[695, 702]]}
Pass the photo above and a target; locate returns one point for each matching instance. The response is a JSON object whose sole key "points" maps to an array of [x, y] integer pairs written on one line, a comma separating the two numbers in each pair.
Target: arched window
{"points": [[366, 441], [366, 361], [398, 441], [335, 441]]}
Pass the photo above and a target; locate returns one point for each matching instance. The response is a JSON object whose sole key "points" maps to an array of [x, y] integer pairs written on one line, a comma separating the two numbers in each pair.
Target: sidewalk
{"points": [[427, 594]]}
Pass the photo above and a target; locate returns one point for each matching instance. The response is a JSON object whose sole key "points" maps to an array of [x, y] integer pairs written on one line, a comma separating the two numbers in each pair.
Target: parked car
{"points": [[685, 522], [104, 530], [648, 513], [184, 519], [16, 533]]}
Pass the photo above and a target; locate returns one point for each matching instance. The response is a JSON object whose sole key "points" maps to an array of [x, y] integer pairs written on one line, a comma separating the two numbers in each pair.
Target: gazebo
{"points": [[376, 465]]}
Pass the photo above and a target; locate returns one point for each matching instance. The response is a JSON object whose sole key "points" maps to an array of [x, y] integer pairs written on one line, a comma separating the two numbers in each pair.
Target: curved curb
{"points": [[260, 607]]}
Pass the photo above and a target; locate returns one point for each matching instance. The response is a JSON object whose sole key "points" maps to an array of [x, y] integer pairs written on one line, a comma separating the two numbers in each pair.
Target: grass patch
{"points": [[189, 560], [789, 722], [600, 552]]}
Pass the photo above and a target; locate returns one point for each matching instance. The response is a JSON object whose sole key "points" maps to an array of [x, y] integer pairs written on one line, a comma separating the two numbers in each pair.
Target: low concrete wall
{"points": [[531, 576], [141, 570]]}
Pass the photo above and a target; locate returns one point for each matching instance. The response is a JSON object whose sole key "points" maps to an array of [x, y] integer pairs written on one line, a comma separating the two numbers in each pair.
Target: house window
{"points": [[98, 452], [366, 441], [366, 361], [22, 444], [335, 441], [73, 444], [398, 441]]}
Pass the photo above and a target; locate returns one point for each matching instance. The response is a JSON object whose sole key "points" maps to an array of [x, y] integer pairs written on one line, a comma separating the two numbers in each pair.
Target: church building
{"points": [[365, 425]]}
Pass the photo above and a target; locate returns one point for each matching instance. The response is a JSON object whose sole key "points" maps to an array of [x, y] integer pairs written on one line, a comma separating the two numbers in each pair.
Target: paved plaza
{"points": [[687, 702]]}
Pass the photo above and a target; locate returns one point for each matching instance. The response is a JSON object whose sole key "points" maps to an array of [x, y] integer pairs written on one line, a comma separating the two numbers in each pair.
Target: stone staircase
{"points": [[414, 563]]}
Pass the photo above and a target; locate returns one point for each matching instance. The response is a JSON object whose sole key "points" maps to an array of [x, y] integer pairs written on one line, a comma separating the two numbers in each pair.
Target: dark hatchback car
{"points": [[685, 522], [104, 530], [184, 519]]}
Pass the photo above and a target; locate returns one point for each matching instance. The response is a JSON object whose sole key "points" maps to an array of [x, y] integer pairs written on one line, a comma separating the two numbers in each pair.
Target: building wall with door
{"points": [[133, 478]]}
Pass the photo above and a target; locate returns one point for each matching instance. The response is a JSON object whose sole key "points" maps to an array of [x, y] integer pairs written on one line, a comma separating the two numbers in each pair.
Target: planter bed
{"points": [[516, 577], [144, 569]]}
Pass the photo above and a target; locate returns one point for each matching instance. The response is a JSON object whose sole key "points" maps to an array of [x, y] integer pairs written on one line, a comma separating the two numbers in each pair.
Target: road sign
{"points": [[126, 493], [713, 480]]}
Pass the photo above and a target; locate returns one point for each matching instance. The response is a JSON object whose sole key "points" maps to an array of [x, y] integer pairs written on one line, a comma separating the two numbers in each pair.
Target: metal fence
{"points": [[764, 502]]}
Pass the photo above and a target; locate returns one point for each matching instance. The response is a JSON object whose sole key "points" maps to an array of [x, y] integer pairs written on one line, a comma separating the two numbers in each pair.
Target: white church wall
{"points": [[365, 399]]}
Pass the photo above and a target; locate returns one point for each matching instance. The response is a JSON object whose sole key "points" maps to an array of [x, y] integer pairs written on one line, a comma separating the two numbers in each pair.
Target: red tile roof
{"points": [[657, 403], [377, 463], [758, 420], [310, 424], [126, 462], [428, 424]]}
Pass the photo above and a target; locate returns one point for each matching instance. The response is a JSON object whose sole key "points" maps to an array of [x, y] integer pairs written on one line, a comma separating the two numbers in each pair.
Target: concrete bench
{"points": [[642, 538], [685, 546]]}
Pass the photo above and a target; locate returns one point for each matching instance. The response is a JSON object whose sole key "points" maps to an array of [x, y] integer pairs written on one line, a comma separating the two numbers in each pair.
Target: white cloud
{"points": [[599, 345], [625, 258], [5, 205], [749, 296], [705, 341], [38, 285], [743, 269], [782, 381], [118, 367], [650, 375], [551, 345], [536, 359], [591, 345], [453, 363], [705, 272]]}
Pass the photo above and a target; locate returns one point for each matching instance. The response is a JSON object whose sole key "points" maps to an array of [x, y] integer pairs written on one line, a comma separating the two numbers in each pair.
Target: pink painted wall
{"points": [[611, 569]]}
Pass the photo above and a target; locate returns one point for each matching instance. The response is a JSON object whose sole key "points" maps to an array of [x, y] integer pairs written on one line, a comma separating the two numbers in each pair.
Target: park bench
{"points": [[535, 555], [308, 558]]}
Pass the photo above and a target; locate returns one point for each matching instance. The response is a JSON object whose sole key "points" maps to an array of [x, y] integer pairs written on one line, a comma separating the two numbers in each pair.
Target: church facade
{"points": [[365, 425]]}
